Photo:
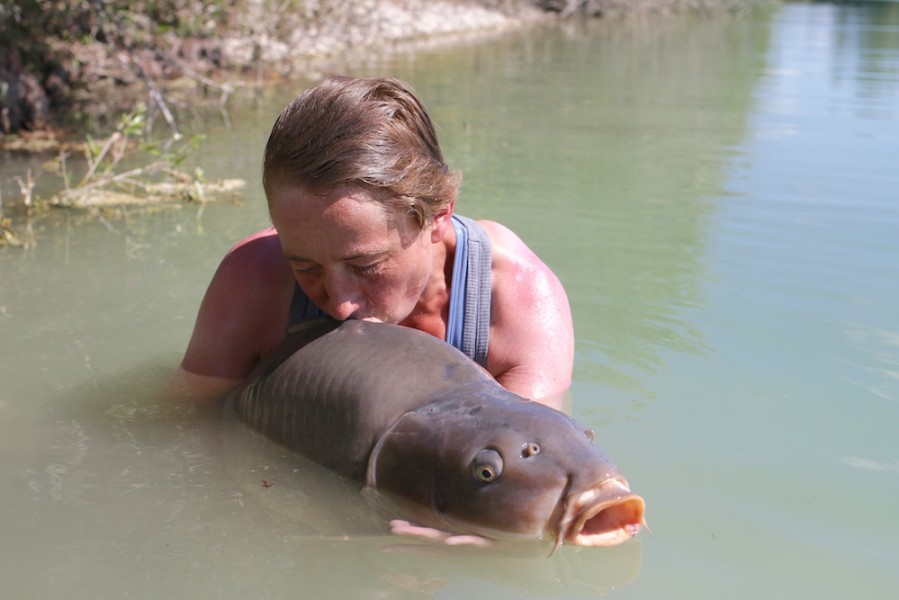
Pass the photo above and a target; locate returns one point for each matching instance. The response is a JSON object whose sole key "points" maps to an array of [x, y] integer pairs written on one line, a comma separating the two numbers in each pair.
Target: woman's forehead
{"points": [[342, 224]]}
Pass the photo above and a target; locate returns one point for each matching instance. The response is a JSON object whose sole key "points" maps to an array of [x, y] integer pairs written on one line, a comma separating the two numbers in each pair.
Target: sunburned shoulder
{"points": [[261, 250], [244, 311], [500, 235], [514, 263], [531, 347], [254, 264], [255, 270]]}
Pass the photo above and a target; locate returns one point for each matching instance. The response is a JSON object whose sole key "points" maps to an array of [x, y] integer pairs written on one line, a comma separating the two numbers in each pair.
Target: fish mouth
{"points": [[604, 515]]}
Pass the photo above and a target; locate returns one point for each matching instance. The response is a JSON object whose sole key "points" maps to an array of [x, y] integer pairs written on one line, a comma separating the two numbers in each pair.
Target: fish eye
{"points": [[588, 433], [484, 473], [530, 449], [487, 466]]}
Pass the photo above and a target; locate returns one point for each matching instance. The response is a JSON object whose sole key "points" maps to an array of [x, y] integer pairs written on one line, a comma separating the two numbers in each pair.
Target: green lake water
{"points": [[720, 197]]}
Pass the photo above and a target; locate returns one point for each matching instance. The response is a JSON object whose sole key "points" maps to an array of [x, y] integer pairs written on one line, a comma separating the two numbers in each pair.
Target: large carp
{"points": [[432, 435]]}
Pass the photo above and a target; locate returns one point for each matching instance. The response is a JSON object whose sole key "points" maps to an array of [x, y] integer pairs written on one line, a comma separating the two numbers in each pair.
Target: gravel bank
{"points": [[293, 38]]}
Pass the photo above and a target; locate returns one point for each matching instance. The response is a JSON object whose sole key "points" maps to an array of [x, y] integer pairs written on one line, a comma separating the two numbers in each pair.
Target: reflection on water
{"points": [[718, 196], [628, 130]]}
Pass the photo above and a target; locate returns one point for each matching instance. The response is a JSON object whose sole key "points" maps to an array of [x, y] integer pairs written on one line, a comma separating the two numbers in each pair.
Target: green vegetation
{"points": [[123, 169], [53, 51], [155, 179]]}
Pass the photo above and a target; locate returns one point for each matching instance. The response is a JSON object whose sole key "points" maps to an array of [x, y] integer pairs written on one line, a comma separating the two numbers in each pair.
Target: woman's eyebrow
{"points": [[354, 256]]}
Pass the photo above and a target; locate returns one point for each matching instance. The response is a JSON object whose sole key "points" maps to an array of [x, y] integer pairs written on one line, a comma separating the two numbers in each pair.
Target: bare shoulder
{"points": [[531, 338], [251, 273], [257, 253], [520, 278], [244, 310]]}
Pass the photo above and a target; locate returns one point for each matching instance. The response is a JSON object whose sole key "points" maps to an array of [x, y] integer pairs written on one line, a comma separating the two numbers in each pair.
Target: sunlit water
{"points": [[719, 197]]}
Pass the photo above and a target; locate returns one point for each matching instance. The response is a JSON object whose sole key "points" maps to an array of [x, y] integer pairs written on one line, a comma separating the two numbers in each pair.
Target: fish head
{"points": [[503, 467]]}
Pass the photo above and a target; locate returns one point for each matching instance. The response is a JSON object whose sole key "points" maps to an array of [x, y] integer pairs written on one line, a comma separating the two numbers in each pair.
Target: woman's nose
{"points": [[343, 298]]}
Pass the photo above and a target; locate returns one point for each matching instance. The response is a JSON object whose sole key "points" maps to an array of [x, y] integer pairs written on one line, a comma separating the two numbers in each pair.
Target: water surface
{"points": [[718, 196]]}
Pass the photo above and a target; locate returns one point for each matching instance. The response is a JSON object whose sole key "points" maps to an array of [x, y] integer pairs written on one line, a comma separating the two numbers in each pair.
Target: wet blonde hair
{"points": [[372, 133]]}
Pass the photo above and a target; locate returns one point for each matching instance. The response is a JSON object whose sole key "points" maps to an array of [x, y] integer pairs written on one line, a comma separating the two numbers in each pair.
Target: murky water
{"points": [[718, 195]]}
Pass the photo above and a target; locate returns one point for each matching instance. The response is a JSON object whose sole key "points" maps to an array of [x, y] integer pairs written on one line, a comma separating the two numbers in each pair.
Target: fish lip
{"points": [[606, 514]]}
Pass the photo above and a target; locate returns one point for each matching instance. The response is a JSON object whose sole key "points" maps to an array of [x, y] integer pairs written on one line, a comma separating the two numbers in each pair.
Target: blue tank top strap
{"points": [[468, 324]]}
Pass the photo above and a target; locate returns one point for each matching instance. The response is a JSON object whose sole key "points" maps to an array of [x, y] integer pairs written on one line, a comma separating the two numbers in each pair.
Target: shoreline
{"points": [[92, 79], [109, 72]]}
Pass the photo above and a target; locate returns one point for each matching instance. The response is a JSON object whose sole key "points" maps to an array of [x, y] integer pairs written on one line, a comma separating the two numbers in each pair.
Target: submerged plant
{"points": [[126, 168]]}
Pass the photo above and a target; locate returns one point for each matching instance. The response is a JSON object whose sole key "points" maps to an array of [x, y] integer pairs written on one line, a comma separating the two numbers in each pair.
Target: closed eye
{"points": [[366, 269], [306, 272]]}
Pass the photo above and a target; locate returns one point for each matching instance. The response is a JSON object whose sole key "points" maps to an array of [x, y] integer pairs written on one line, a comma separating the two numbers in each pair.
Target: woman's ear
{"points": [[441, 222]]}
